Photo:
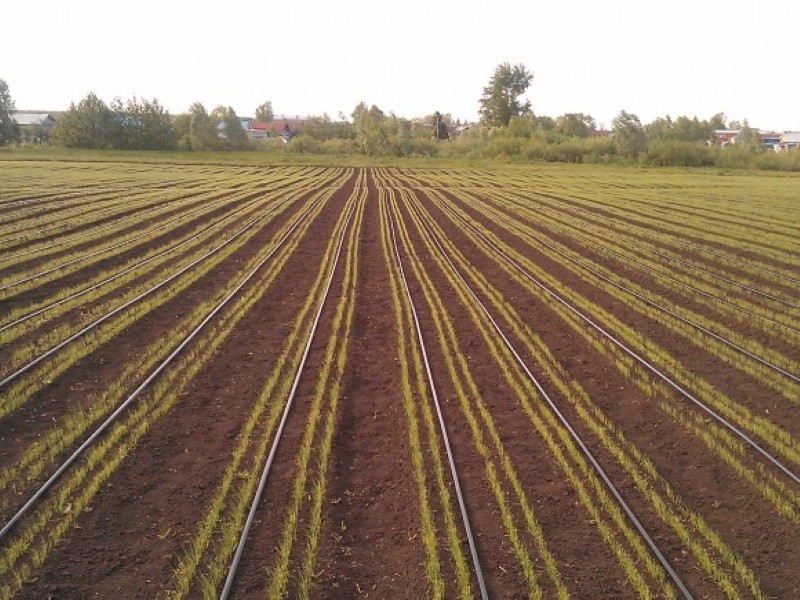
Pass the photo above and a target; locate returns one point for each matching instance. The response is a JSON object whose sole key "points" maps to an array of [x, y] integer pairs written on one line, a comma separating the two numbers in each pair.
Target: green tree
{"points": [[9, 130], [440, 131], [717, 121], [323, 128], [500, 100], [202, 131], [545, 123], [662, 129], [181, 127], [372, 136], [142, 125], [89, 124], [229, 127], [264, 112], [692, 130], [629, 136], [750, 138], [682, 129], [523, 127], [575, 125]]}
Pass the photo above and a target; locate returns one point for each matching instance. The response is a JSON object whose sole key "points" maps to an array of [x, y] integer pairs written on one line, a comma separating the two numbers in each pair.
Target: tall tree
{"points": [[141, 124], [372, 135], [323, 128], [230, 127], [500, 100], [629, 135], [89, 124], [750, 138], [682, 129], [575, 124], [202, 130], [662, 129], [9, 130], [717, 121], [264, 112], [440, 127]]}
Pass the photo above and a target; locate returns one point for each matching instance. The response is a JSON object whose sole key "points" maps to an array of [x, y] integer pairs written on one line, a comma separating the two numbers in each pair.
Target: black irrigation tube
{"points": [[262, 482], [26, 236], [132, 216], [164, 364], [709, 295], [107, 249], [686, 394], [695, 247], [649, 302], [729, 238], [578, 440], [190, 195], [440, 416], [741, 286], [714, 275], [113, 203], [169, 250], [144, 294], [442, 426]]}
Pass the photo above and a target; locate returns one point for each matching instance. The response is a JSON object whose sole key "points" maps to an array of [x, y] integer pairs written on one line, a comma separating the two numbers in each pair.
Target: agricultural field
{"points": [[255, 381]]}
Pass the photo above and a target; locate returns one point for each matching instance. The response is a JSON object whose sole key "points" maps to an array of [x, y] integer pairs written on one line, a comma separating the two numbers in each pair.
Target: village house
{"points": [[282, 126], [790, 140], [770, 139], [724, 137], [34, 126]]}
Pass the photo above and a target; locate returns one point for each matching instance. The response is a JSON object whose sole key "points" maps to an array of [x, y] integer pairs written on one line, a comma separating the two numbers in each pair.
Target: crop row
{"points": [[764, 364], [612, 385], [769, 432], [769, 485], [41, 530], [715, 292], [124, 281]]}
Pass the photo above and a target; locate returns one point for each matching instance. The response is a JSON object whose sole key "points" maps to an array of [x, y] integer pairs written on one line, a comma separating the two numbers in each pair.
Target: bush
{"points": [[340, 146], [679, 154], [304, 144], [504, 146], [780, 161]]}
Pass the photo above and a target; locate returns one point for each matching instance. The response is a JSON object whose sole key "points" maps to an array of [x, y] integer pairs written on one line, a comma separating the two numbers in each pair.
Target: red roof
{"points": [[278, 126]]}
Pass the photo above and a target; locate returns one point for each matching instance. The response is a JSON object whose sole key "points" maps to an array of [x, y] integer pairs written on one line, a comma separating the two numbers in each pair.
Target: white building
{"points": [[34, 126], [790, 140]]}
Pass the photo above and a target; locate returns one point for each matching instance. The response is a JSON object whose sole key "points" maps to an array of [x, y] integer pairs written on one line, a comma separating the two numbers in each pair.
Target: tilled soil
{"points": [[133, 536]]}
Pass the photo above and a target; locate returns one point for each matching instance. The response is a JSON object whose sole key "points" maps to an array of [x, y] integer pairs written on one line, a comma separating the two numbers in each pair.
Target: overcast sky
{"points": [[648, 57]]}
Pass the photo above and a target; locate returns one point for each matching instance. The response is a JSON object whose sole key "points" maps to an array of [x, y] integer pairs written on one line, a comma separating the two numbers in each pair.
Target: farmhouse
{"points": [[282, 126], [34, 126], [727, 137], [790, 140], [724, 137], [770, 139]]}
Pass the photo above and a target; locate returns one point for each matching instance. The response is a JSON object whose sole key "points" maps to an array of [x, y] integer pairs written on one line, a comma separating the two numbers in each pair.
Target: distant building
{"points": [[257, 130], [34, 126], [456, 130], [723, 137], [770, 139], [282, 126], [790, 140]]}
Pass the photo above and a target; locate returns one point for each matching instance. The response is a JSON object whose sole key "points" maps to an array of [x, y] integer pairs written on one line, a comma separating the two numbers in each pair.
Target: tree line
{"points": [[508, 129]]}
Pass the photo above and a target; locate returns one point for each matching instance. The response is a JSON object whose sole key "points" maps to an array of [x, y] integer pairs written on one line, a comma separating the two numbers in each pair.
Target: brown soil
{"points": [[130, 541]]}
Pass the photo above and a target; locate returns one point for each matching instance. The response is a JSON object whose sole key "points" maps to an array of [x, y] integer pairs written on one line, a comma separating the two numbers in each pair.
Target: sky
{"points": [[651, 58]]}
